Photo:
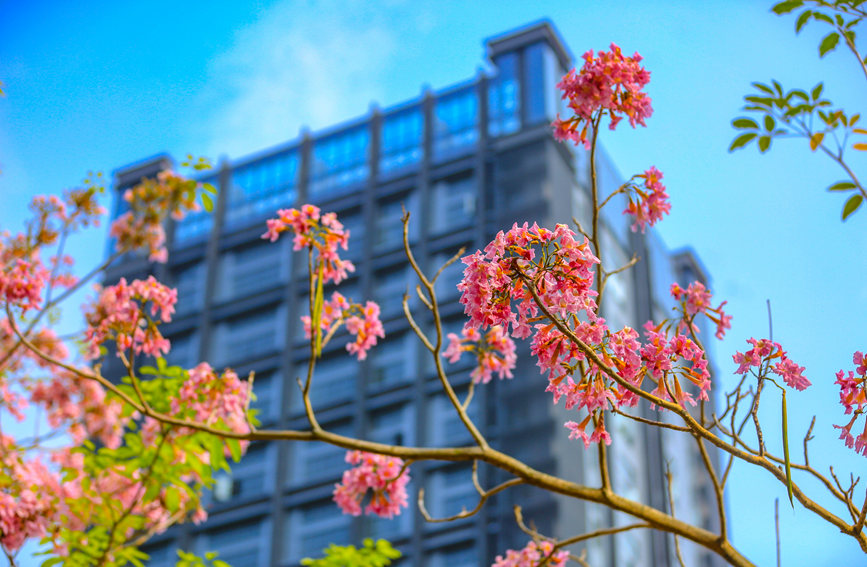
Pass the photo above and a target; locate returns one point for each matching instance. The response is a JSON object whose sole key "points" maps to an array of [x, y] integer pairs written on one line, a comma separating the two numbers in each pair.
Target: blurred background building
{"points": [[466, 161]]}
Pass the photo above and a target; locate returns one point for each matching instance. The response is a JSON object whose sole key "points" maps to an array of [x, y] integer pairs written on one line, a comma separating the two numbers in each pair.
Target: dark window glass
{"points": [[504, 97], [454, 204], [401, 140], [339, 162], [260, 188], [541, 72], [455, 119]]}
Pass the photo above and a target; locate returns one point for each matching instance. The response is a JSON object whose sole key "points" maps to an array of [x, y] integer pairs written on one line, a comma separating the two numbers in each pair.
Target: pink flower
{"points": [[647, 204], [495, 352], [532, 555], [384, 477], [608, 83]]}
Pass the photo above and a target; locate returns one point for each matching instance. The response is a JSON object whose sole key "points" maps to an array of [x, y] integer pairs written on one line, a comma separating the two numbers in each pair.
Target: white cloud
{"points": [[300, 63]]}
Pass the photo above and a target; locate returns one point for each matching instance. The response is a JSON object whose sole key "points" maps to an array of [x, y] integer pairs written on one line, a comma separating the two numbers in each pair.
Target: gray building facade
{"points": [[466, 161]]}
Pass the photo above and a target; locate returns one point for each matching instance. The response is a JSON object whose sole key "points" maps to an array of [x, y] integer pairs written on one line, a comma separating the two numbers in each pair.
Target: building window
{"points": [[454, 204], [354, 223], [504, 97], [334, 381], [313, 528], [446, 285], [393, 362], [161, 555], [239, 545], [320, 462], [445, 427], [184, 351], [247, 338], [339, 162], [246, 271], [389, 286], [250, 477], [266, 386], [260, 188], [455, 124], [401, 140], [459, 556], [190, 283], [389, 222], [392, 426], [195, 226], [542, 71], [450, 491]]}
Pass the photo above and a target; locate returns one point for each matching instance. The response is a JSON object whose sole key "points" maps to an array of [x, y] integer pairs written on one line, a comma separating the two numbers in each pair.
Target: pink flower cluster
{"points": [[314, 230], [609, 82], [21, 284], [663, 356], [695, 300], [853, 396], [362, 321], [209, 398], [385, 477], [647, 204], [151, 202], [761, 356], [532, 555], [495, 352], [563, 279], [118, 313]]}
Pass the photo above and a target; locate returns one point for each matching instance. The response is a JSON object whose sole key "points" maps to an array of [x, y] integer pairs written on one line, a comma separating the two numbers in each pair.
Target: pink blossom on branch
{"points": [[362, 321], [649, 203], [532, 555], [696, 300], [765, 353], [494, 350], [608, 82], [385, 478], [853, 397]]}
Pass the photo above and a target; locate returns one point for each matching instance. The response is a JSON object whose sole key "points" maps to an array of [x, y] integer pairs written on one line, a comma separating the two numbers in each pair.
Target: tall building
{"points": [[466, 161]]}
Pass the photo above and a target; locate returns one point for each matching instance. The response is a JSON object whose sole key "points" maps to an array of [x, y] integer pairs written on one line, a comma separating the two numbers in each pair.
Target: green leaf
{"points": [[823, 17], [764, 88], [760, 100], [786, 6], [769, 123], [829, 43], [842, 186], [742, 141], [745, 123], [173, 499], [207, 202], [852, 205], [802, 20], [764, 143], [234, 448], [209, 188], [817, 91], [786, 451]]}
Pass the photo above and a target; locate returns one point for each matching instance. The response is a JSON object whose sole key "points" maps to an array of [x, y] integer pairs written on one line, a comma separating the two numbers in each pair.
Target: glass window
{"points": [[389, 286], [260, 188], [246, 271], [447, 283], [339, 162], [504, 97], [393, 362], [401, 140], [445, 427], [389, 222], [162, 554], [190, 283], [541, 70], [334, 380], [266, 386], [450, 491], [249, 477], [454, 204], [320, 462], [184, 351], [247, 338], [355, 224], [393, 426], [311, 529], [455, 120], [239, 545], [459, 556], [195, 226]]}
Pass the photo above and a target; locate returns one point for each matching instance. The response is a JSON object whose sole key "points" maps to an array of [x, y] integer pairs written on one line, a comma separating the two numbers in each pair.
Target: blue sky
{"points": [[96, 85]]}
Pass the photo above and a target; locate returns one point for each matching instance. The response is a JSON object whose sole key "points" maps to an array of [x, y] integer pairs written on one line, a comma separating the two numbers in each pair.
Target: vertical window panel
{"points": [[260, 188], [401, 140], [389, 222], [504, 97], [313, 528], [392, 362], [456, 118], [454, 204], [339, 162]]}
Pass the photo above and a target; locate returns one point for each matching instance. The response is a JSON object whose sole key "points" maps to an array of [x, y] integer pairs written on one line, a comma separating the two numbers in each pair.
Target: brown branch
{"points": [[484, 495], [671, 507], [717, 488]]}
